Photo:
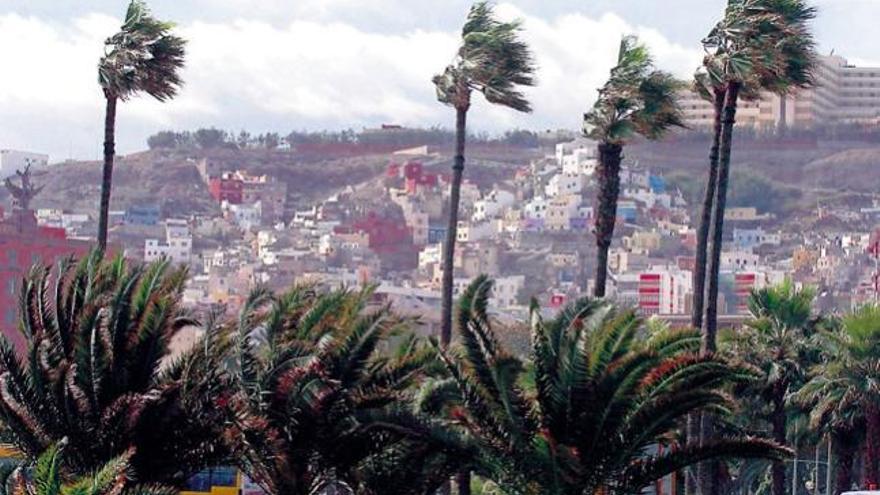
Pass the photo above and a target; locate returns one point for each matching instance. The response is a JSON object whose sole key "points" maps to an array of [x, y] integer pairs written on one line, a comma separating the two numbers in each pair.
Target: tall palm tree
{"points": [[98, 370], [843, 387], [321, 399], [142, 57], [759, 45], [637, 99], [494, 61], [604, 399], [775, 342], [711, 91]]}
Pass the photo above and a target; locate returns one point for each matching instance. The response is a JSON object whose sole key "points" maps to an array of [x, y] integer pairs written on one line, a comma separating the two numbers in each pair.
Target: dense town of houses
{"points": [[531, 232]]}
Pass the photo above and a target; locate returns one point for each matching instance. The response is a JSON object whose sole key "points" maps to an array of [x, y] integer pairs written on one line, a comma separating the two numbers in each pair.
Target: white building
{"points": [[578, 156], [493, 204], [739, 260], [430, 255], [648, 197], [473, 231], [12, 160], [177, 246], [536, 209], [505, 290], [664, 290], [564, 184], [246, 216]]}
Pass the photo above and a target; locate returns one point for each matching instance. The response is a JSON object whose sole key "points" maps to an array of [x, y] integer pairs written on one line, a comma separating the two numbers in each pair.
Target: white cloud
{"points": [[306, 74]]}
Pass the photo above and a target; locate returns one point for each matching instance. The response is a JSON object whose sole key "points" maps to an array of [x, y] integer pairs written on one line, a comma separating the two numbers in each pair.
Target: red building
{"points": [[227, 189], [393, 171], [413, 175], [386, 235], [650, 286], [743, 284], [22, 244]]}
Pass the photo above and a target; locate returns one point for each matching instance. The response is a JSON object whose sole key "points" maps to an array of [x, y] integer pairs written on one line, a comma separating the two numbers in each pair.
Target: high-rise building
{"points": [[842, 94]]}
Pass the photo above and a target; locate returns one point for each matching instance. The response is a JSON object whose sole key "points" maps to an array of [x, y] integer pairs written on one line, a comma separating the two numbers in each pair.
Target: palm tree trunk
{"points": [[107, 179], [463, 480], [692, 474], [845, 453], [709, 482], [710, 319], [452, 226], [694, 419], [706, 217], [606, 215], [872, 447], [778, 468]]}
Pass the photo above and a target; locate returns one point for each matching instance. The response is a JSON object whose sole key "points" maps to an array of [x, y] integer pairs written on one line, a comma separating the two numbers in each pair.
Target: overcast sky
{"points": [[330, 64]]}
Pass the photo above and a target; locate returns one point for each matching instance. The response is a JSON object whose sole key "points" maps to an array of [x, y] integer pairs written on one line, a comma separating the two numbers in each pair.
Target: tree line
{"points": [[213, 138]]}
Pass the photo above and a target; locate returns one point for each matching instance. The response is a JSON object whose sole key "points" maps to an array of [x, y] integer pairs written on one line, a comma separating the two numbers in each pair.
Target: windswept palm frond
{"points": [[636, 99], [320, 396], [97, 371], [142, 56], [492, 60], [608, 392], [47, 476]]}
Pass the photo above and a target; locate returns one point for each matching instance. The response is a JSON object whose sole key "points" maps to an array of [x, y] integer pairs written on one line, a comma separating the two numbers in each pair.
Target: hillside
{"points": [[783, 179], [171, 179]]}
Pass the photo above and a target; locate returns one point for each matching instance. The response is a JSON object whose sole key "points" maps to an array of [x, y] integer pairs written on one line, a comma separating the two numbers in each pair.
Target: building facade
{"points": [[177, 246], [22, 244], [842, 94]]}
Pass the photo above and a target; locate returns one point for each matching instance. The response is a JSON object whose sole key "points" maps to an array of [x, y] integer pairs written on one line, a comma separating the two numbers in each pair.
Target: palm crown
{"points": [[492, 60], [98, 371], [762, 44], [323, 401], [142, 56], [604, 399], [846, 381], [636, 99]]}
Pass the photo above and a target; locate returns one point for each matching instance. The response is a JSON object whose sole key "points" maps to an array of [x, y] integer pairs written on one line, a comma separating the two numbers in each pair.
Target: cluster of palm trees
{"points": [[758, 46], [816, 381], [310, 391]]}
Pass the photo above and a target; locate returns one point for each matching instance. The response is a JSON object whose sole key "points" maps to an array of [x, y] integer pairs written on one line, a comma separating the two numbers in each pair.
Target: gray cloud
{"points": [[280, 65]]}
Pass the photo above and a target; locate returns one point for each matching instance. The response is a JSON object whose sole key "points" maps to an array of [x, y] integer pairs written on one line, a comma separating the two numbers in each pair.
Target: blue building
{"points": [[628, 211], [142, 215], [657, 184], [436, 234]]}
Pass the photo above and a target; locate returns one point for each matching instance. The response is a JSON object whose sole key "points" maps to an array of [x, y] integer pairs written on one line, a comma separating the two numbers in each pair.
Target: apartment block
{"points": [[842, 94]]}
